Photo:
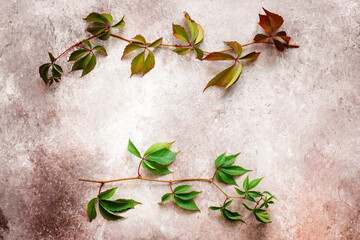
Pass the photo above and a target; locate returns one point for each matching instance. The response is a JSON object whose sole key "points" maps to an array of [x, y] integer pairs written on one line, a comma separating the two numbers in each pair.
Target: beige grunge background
{"points": [[293, 115]]}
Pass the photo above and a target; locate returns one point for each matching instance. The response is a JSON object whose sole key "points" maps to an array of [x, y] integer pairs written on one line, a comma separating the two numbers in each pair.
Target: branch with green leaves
{"points": [[192, 36], [157, 159]]}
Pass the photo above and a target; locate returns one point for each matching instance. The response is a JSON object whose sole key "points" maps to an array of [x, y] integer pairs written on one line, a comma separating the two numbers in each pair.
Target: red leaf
{"points": [[283, 36], [275, 20], [265, 23], [218, 56], [279, 45]]}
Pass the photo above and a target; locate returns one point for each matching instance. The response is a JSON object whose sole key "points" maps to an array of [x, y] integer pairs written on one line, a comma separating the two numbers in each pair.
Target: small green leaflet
{"points": [[55, 71], [109, 208], [140, 63], [182, 198], [230, 75], [225, 171], [226, 213], [194, 40], [132, 149], [101, 24]]}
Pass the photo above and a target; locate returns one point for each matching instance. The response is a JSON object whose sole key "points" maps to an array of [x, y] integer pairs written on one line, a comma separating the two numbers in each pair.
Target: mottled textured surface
{"points": [[293, 115]]}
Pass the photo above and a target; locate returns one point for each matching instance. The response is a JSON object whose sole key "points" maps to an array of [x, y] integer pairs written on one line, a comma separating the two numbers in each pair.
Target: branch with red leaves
{"points": [[84, 58]]}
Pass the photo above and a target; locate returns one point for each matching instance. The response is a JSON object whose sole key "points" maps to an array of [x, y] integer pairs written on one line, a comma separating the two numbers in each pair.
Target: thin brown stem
{"points": [[163, 181], [257, 203]]}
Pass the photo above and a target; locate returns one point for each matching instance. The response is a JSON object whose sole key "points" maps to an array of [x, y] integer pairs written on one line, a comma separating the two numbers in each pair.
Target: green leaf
{"points": [[234, 170], [121, 205], [225, 178], [219, 160], [52, 59], [198, 53], [192, 26], [254, 194], [218, 56], [96, 17], [129, 48], [246, 183], [95, 30], [77, 54], [149, 63], [132, 149], [187, 196], [55, 73], [105, 36], [58, 68], [182, 188], [180, 33], [182, 50], [222, 78], [231, 216], [100, 49], [227, 203], [262, 218], [87, 42], [266, 192], [92, 209], [90, 66], [137, 63], [81, 63], [229, 160], [156, 43], [107, 214], [247, 207], [235, 77], [254, 183], [200, 35], [44, 71], [250, 198], [107, 194], [236, 46], [251, 56], [156, 147], [214, 208], [165, 197], [140, 38], [186, 204], [108, 17], [155, 167], [163, 156], [120, 23], [239, 191]]}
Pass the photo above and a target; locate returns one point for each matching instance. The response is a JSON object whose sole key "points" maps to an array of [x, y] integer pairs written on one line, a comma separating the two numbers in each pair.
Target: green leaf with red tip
{"points": [[218, 56]]}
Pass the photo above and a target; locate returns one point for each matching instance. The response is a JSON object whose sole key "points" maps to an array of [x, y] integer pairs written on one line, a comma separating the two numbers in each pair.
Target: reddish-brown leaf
{"points": [[279, 45], [218, 56], [283, 36], [275, 20], [260, 38], [264, 22]]}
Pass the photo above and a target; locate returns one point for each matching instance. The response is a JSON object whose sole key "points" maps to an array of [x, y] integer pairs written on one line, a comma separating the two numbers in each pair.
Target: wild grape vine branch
{"points": [[102, 24], [156, 159]]}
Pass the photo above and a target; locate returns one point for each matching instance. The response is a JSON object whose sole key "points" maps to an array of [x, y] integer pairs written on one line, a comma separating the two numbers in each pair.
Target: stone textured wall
{"points": [[293, 115]]}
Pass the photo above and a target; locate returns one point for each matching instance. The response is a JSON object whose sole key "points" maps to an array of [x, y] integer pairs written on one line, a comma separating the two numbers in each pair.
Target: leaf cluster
{"points": [[54, 69], [109, 208], [271, 22], [230, 75], [226, 171], [156, 158], [102, 24], [85, 59], [194, 40], [140, 63], [182, 198]]}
